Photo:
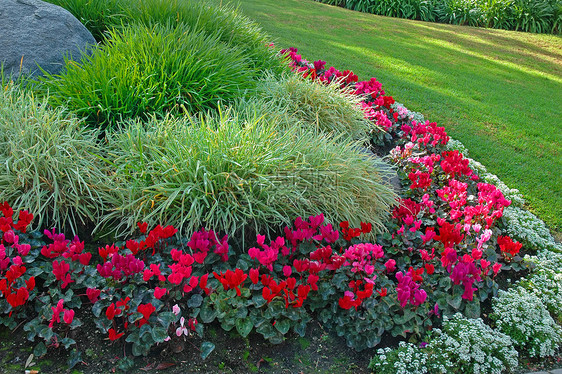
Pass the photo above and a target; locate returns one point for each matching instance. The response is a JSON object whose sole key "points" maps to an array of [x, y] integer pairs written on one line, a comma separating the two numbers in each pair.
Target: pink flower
{"points": [[176, 309], [68, 316], [287, 270], [390, 265]]}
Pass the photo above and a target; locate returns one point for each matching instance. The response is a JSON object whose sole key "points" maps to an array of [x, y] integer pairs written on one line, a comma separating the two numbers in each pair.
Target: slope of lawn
{"points": [[499, 92]]}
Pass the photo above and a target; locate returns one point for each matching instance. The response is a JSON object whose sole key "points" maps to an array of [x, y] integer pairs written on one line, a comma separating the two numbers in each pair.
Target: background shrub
{"points": [[539, 16], [230, 171], [48, 162], [150, 70]]}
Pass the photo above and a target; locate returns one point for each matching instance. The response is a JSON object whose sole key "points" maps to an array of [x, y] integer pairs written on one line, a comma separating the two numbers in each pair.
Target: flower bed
{"points": [[442, 254]]}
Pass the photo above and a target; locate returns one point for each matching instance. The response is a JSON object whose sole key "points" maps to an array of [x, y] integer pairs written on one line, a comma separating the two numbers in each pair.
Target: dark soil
{"points": [[320, 351]]}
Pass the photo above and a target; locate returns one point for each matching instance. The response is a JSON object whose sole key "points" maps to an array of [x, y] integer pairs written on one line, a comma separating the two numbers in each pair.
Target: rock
{"points": [[33, 32]]}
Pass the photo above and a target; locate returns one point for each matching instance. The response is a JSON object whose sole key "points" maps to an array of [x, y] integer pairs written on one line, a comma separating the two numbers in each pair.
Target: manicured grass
{"points": [[499, 92]]}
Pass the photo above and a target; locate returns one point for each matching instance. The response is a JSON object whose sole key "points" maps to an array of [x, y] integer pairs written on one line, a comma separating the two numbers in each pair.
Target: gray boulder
{"points": [[33, 32]]}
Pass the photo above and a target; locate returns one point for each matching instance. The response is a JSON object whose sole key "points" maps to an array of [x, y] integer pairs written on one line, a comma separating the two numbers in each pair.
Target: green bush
{"points": [[327, 108], [150, 70], [539, 16], [209, 16], [48, 162], [231, 171]]}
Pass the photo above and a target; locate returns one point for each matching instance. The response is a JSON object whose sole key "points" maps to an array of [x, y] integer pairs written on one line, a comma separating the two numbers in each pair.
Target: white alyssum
{"points": [[470, 346], [522, 315], [405, 359]]}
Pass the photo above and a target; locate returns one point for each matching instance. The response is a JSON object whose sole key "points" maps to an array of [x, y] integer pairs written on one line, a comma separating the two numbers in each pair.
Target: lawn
{"points": [[498, 92]]}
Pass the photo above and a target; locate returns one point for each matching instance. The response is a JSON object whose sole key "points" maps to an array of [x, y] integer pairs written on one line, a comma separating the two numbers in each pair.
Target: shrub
{"points": [[49, 162], [328, 108], [522, 315], [156, 70], [229, 171]]}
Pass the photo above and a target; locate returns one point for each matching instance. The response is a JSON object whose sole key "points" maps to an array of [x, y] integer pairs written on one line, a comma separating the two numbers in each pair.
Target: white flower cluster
{"points": [[522, 315], [471, 346], [462, 346], [527, 228], [406, 359], [546, 281]]}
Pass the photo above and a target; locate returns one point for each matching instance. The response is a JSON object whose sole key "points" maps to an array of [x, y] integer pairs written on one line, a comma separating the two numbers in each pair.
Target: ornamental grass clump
{"points": [[208, 16], [211, 17], [328, 108], [150, 70], [230, 171], [48, 162]]}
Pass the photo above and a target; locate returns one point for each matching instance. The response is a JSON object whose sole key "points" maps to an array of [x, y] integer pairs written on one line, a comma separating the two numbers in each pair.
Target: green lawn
{"points": [[499, 92]]}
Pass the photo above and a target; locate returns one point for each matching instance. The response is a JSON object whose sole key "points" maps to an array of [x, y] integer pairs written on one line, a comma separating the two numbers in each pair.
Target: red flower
{"points": [[30, 283], [24, 220], [508, 246], [231, 279], [113, 336], [383, 292], [142, 227], [146, 310], [254, 276], [93, 295], [159, 292], [111, 312]]}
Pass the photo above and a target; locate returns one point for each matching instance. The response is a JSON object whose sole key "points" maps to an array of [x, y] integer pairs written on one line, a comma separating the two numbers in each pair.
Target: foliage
{"points": [[49, 162], [232, 170], [207, 16], [328, 108], [98, 16], [538, 16], [150, 70]]}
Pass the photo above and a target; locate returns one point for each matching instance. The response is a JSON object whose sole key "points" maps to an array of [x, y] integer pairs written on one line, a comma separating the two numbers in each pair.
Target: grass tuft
{"points": [[232, 171], [144, 70], [48, 162]]}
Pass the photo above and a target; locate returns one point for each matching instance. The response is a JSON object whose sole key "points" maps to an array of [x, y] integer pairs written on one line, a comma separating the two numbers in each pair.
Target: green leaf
{"points": [[300, 328], [144, 329], [455, 301], [206, 349], [472, 309], [208, 313], [283, 326], [258, 301], [166, 318], [244, 326], [195, 301], [67, 342], [40, 350], [266, 330], [74, 358], [159, 334]]}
